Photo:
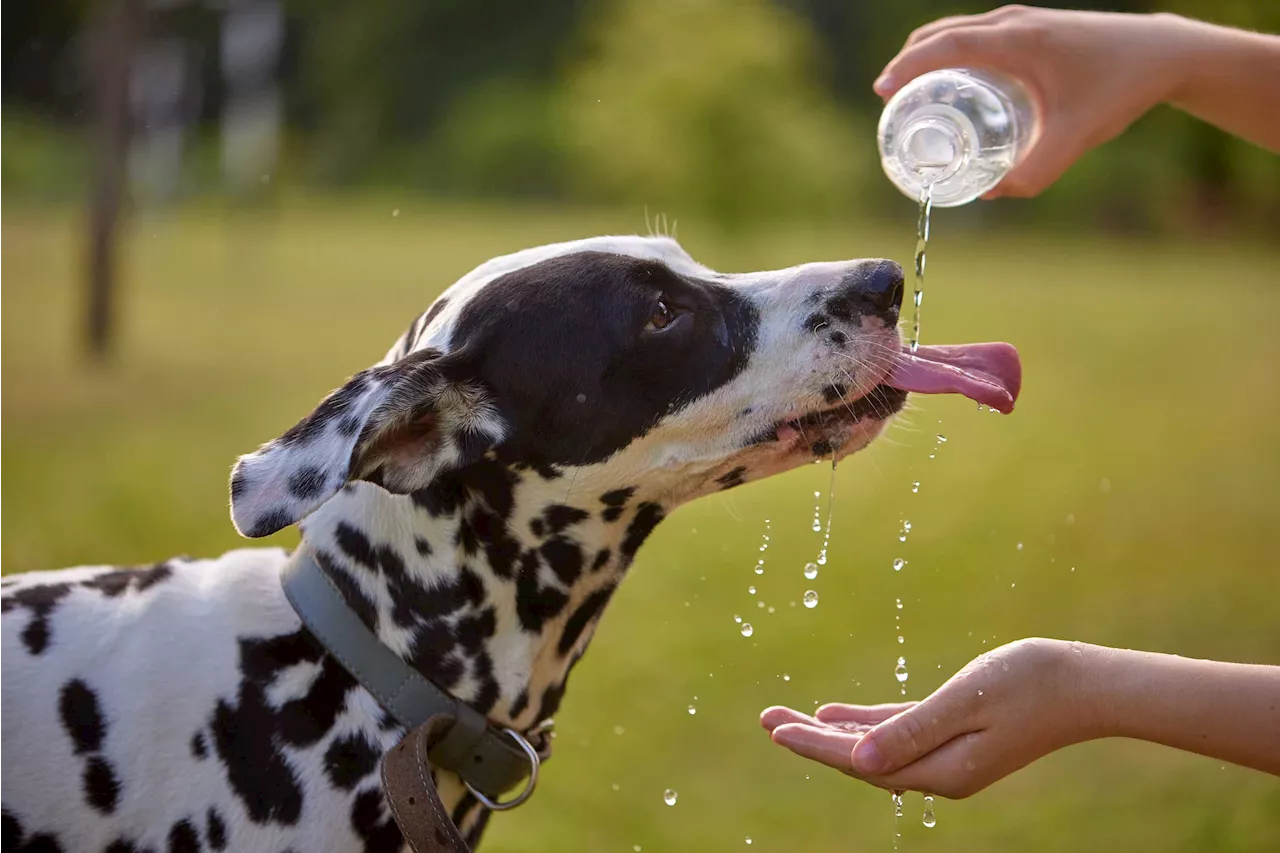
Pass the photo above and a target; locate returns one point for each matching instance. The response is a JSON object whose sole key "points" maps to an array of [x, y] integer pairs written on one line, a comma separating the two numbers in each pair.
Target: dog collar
{"points": [[487, 759]]}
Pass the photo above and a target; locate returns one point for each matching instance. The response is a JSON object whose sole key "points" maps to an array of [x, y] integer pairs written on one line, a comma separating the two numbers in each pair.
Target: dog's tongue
{"points": [[990, 374]]}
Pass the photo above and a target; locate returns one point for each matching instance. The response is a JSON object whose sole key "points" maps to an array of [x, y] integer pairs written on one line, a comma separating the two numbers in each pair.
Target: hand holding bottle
{"points": [[1089, 75]]}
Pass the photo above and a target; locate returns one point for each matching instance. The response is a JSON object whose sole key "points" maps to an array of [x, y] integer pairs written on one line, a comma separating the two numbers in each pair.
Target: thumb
{"points": [[910, 735]]}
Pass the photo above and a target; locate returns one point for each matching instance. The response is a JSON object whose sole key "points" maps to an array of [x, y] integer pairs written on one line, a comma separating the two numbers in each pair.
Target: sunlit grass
{"points": [[1140, 473]]}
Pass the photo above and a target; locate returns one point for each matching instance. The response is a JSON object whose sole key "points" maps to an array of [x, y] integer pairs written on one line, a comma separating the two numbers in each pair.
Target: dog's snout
{"points": [[880, 283]]}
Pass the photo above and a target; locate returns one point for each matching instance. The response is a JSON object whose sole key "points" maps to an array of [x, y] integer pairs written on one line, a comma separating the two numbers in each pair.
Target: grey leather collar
{"points": [[485, 757]]}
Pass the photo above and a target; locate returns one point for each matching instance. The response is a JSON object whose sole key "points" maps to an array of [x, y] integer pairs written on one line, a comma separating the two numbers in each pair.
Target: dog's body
{"points": [[476, 497]]}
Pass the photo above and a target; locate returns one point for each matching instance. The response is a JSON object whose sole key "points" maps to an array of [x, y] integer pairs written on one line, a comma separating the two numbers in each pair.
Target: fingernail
{"points": [[883, 84], [866, 758]]}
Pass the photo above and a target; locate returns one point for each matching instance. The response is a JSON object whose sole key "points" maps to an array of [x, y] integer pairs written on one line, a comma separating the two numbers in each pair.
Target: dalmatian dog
{"points": [[476, 496]]}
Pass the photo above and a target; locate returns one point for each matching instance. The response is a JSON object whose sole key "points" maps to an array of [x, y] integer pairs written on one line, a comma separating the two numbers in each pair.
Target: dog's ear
{"points": [[398, 425]]}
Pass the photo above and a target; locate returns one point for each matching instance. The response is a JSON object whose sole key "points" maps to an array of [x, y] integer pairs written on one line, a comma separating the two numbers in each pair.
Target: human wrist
{"points": [[1091, 674]]}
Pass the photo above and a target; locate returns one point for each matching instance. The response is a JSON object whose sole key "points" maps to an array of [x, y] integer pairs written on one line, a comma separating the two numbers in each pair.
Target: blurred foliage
{"points": [[729, 110]]}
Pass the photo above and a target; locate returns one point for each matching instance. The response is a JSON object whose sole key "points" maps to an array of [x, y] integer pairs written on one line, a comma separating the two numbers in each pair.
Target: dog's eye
{"points": [[662, 317]]}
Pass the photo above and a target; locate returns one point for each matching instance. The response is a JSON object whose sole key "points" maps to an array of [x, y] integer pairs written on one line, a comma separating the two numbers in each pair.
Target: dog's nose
{"points": [[880, 284]]}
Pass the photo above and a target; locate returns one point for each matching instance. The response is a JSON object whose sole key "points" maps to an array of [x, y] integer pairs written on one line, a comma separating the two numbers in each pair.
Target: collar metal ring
{"points": [[527, 792]]}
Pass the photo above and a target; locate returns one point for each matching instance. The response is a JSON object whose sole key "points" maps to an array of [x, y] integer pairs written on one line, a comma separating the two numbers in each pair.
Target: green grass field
{"points": [[1140, 473]]}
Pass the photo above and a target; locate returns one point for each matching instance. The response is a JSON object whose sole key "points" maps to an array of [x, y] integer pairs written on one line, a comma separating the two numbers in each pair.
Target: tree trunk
{"points": [[116, 25]]}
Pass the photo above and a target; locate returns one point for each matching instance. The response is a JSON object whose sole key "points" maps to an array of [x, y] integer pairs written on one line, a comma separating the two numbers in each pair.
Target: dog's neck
{"points": [[490, 581]]}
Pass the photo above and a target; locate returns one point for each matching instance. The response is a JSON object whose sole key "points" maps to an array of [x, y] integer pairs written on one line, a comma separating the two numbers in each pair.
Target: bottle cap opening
{"points": [[932, 148]]}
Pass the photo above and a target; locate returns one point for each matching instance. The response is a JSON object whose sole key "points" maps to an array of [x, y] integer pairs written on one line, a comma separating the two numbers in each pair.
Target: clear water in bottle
{"points": [[958, 131]]}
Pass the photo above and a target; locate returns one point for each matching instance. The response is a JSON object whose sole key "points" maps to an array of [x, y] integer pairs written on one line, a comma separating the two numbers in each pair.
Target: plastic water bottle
{"points": [[959, 130]]}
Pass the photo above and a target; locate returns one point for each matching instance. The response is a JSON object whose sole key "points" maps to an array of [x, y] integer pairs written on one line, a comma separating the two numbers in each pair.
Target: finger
{"points": [[917, 731], [824, 745], [866, 714], [958, 47], [951, 22], [955, 770], [778, 715]]}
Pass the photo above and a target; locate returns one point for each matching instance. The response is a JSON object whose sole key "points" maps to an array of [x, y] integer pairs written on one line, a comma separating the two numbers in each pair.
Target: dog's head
{"points": [[620, 358]]}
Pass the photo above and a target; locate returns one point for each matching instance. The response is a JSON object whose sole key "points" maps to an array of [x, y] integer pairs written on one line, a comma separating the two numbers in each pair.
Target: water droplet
{"points": [[810, 570], [929, 820], [1070, 519], [901, 639], [786, 677], [822, 558], [899, 603], [1073, 568], [900, 672], [906, 525], [395, 212], [811, 599], [1019, 546], [747, 630], [942, 439], [737, 619], [1105, 485], [979, 692], [582, 398], [902, 537], [932, 455], [748, 839], [692, 710], [898, 563], [619, 730], [759, 568], [897, 804], [771, 609], [669, 797], [915, 486], [751, 590], [760, 604], [617, 787], [1013, 585]]}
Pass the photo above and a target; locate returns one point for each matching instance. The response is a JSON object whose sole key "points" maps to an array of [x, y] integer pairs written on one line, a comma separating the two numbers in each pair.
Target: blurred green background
{"points": [[1129, 500]]}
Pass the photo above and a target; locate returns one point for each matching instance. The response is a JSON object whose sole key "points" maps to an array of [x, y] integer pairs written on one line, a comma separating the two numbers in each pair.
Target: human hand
{"points": [[1004, 710], [1089, 74]]}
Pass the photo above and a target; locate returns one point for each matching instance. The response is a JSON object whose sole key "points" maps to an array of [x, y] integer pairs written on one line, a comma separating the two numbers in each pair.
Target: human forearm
{"points": [[1229, 711], [1229, 78]]}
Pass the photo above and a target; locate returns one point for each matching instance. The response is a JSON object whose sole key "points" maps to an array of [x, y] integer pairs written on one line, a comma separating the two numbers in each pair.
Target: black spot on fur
{"points": [[270, 522], [422, 546], [550, 701], [601, 560], [736, 477], [41, 600], [112, 584], [373, 823], [101, 787], [348, 426], [582, 617], [244, 734], [612, 513], [239, 483], [559, 517], [442, 497], [471, 632], [537, 527], [838, 338], [618, 497], [518, 706], [81, 717], [198, 748], [215, 831], [833, 393], [646, 519], [123, 845], [307, 482], [348, 760], [564, 556], [535, 604], [355, 598], [305, 721], [13, 838], [355, 545], [183, 838], [335, 405]]}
